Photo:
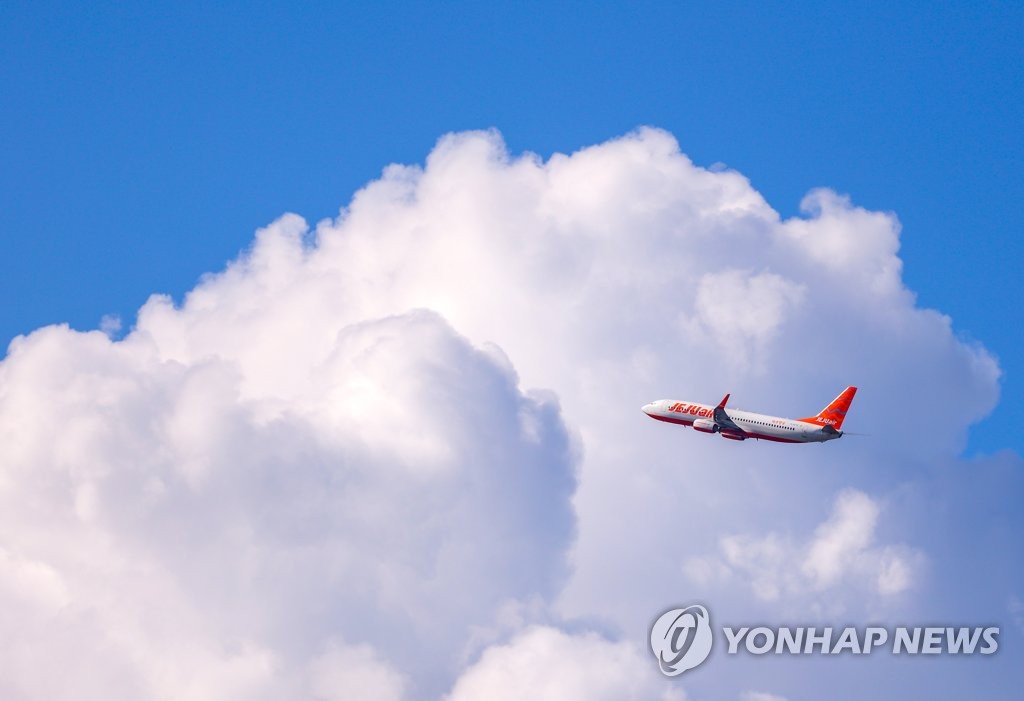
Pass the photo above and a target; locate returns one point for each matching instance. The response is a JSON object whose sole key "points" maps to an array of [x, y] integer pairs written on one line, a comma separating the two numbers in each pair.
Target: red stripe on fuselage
{"points": [[748, 434], [763, 437], [666, 419]]}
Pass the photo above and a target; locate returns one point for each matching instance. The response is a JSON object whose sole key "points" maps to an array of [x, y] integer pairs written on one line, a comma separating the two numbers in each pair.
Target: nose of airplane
{"points": [[647, 408]]}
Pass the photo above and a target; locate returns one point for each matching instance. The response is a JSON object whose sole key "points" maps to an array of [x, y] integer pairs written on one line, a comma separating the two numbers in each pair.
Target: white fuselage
{"points": [[760, 426]]}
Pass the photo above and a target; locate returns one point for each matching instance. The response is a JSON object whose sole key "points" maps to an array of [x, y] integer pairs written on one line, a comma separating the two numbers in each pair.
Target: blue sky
{"points": [[406, 453], [142, 143]]}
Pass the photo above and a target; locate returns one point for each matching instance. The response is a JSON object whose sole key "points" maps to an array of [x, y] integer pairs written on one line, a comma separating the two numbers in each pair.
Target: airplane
{"points": [[739, 425]]}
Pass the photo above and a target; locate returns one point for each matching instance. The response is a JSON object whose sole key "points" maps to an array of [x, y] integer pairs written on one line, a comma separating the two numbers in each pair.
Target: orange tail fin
{"points": [[834, 413]]}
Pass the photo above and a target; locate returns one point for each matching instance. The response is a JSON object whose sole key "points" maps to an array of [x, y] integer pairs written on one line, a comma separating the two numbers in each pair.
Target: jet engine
{"points": [[706, 426]]}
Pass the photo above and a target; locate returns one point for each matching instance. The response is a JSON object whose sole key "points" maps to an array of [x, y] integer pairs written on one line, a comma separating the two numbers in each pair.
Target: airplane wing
{"points": [[723, 420]]}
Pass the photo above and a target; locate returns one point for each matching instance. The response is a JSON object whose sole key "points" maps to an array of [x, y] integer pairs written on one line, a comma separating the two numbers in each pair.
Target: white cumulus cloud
{"points": [[210, 544], [399, 453], [550, 665], [839, 558]]}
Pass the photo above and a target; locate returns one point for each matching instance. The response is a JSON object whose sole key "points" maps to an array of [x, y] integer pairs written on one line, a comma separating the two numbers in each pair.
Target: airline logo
{"points": [[692, 409], [834, 413], [831, 416]]}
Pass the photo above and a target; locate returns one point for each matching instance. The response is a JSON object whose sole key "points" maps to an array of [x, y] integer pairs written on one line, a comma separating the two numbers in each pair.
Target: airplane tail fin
{"points": [[834, 413]]}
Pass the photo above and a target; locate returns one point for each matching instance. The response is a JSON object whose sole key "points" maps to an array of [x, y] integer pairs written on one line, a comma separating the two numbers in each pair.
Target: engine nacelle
{"points": [[705, 426], [733, 436]]}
